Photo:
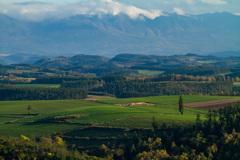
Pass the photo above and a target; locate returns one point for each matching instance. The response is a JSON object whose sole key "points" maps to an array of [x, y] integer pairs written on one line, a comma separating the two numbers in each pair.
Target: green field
{"points": [[14, 118], [150, 73], [34, 130], [165, 100], [236, 84], [38, 85]]}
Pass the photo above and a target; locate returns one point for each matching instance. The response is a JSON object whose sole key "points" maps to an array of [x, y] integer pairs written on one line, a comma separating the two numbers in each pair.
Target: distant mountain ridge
{"points": [[129, 60], [124, 59], [78, 60], [110, 35]]}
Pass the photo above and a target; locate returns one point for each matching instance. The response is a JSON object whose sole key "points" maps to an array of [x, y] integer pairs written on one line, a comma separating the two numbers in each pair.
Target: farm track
{"points": [[213, 104]]}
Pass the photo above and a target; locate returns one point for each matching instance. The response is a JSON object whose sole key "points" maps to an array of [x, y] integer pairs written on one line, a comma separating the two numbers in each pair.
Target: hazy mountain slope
{"points": [[129, 60], [78, 60], [110, 35]]}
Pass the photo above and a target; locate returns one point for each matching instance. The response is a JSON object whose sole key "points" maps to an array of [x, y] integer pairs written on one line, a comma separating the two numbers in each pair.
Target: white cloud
{"points": [[215, 2], [179, 11], [39, 11]]}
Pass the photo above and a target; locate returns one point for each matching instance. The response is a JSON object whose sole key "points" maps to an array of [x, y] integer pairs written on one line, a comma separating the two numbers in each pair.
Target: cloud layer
{"points": [[36, 11], [179, 11], [215, 2]]}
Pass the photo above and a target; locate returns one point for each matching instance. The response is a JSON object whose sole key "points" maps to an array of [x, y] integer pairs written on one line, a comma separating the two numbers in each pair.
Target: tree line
{"points": [[20, 93], [141, 88]]}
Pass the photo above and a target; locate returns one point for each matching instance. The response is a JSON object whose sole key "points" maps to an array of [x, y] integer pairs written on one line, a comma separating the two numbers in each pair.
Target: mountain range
{"points": [[130, 60], [109, 35]]}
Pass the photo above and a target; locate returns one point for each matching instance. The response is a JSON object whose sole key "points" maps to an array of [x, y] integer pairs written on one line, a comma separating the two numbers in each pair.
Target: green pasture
{"points": [[33, 130], [14, 118], [10, 117], [150, 73], [166, 100], [38, 85], [141, 122], [237, 84]]}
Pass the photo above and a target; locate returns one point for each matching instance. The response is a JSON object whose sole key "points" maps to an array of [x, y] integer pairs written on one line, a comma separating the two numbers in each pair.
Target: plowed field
{"points": [[213, 104]]}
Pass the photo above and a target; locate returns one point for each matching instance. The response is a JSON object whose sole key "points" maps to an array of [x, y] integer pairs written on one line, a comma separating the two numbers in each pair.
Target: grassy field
{"points": [[150, 73], [38, 85], [237, 84], [33, 130], [14, 118], [140, 122], [165, 100]]}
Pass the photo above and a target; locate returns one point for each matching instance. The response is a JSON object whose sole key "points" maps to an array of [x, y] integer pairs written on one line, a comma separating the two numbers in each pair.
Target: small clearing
{"points": [[213, 104]]}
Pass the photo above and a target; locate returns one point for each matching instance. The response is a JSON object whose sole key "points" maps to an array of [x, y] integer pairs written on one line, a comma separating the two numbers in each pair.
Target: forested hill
{"points": [[80, 59], [128, 60]]}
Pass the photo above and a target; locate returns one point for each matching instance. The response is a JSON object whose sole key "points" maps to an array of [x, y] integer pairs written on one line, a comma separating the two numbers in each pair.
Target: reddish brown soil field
{"points": [[213, 104]]}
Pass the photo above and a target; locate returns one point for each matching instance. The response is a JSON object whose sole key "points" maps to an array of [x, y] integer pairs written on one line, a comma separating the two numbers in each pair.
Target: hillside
{"points": [[78, 60]]}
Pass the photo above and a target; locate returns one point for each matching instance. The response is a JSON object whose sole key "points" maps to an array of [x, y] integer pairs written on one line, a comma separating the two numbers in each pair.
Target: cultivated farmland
{"points": [[71, 118]]}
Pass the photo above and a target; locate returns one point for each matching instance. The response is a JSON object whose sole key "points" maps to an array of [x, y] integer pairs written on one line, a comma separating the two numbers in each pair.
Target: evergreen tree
{"points": [[180, 103]]}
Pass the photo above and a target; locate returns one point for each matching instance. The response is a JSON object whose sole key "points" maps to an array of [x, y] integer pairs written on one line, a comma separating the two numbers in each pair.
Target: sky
{"points": [[37, 10]]}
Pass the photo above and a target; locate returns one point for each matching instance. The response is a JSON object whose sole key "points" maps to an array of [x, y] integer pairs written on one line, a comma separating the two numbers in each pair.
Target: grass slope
{"points": [[102, 112], [35, 129], [150, 73]]}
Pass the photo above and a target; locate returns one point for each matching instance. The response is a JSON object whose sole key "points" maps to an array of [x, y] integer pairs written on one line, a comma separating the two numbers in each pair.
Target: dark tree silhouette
{"points": [[181, 106]]}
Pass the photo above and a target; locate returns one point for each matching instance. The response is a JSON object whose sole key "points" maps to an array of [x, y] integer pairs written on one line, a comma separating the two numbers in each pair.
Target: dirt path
{"points": [[213, 104]]}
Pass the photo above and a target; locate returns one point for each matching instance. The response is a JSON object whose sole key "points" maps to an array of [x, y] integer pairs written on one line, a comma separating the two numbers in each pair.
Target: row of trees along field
{"points": [[29, 71], [15, 93], [216, 137], [124, 87], [120, 86], [141, 88], [184, 77], [113, 78]]}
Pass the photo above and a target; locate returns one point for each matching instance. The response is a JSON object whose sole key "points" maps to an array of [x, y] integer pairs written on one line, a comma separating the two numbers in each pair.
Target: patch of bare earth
{"points": [[95, 97], [213, 104], [135, 104]]}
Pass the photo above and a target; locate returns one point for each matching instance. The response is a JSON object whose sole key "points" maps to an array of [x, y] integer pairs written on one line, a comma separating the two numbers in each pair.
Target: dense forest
{"points": [[72, 87], [16, 93], [140, 88], [198, 70]]}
